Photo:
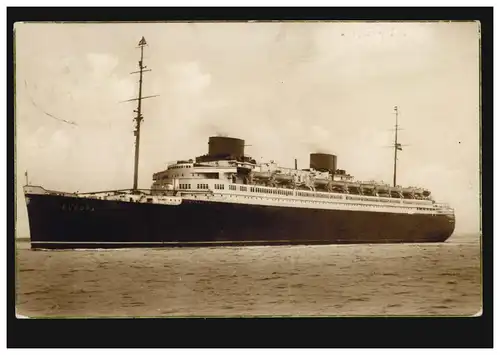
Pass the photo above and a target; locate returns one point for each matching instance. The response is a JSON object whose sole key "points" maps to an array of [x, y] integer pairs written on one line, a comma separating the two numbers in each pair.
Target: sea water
{"points": [[331, 280]]}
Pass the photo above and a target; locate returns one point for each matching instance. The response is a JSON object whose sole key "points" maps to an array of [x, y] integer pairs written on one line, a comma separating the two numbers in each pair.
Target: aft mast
{"points": [[397, 145], [139, 118]]}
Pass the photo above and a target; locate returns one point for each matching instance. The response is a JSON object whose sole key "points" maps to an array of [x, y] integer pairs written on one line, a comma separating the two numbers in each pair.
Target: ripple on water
{"points": [[327, 280]]}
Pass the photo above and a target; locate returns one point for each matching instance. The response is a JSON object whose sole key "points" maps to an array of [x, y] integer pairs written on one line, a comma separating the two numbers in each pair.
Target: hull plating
{"points": [[66, 222]]}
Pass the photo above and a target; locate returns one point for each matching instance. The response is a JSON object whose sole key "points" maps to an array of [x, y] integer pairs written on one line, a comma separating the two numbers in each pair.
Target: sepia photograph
{"points": [[248, 169]]}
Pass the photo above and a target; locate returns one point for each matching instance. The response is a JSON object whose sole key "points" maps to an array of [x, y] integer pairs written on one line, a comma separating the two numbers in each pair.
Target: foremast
{"points": [[139, 118]]}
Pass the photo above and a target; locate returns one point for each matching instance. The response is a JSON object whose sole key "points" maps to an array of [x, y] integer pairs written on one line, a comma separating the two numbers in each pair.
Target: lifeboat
{"points": [[322, 183], [284, 178], [396, 192], [261, 175]]}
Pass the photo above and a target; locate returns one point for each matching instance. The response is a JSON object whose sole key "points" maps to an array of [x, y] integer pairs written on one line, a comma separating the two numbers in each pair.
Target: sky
{"points": [[287, 88]]}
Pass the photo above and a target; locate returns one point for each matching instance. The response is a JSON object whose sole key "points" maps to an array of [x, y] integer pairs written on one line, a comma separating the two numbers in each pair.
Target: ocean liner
{"points": [[226, 197]]}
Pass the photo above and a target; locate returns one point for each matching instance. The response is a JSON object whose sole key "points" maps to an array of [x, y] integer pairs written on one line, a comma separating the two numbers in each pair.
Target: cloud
{"points": [[362, 50], [188, 103], [319, 139], [188, 79], [102, 64]]}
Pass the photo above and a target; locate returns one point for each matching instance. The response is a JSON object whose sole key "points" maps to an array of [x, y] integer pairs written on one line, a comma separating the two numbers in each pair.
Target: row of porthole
{"points": [[305, 194], [324, 202], [269, 191], [329, 203], [288, 193]]}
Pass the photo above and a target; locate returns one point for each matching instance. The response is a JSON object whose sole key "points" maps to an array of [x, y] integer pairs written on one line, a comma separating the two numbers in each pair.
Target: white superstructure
{"points": [[228, 181]]}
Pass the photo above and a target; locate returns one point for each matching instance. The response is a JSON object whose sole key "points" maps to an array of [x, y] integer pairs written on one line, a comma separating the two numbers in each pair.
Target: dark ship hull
{"points": [[63, 222]]}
